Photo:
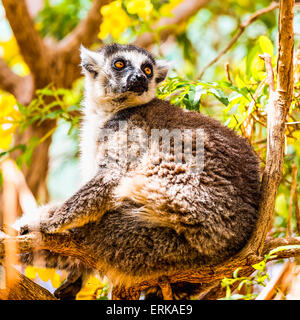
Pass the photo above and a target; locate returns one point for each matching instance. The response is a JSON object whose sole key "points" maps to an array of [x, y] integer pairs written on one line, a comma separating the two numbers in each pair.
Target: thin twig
{"points": [[240, 30], [292, 194]]}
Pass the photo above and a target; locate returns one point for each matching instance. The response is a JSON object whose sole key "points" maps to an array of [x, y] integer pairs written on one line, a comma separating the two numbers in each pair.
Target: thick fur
{"points": [[152, 216]]}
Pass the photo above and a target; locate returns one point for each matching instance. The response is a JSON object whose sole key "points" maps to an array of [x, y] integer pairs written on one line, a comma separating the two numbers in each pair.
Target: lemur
{"points": [[155, 213]]}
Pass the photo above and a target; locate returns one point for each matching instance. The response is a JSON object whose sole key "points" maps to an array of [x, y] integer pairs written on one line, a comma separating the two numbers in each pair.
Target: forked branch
{"points": [[32, 46]]}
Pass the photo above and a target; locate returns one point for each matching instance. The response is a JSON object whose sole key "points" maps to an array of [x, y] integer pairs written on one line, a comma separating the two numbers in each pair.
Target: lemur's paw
{"points": [[48, 227], [25, 229]]}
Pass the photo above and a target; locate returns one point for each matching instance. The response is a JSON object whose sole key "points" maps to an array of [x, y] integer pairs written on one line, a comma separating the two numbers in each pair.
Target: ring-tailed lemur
{"points": [[149, 214]]}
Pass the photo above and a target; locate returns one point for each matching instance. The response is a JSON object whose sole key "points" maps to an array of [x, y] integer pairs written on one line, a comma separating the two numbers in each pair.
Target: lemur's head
{"points": [[121, 76]]}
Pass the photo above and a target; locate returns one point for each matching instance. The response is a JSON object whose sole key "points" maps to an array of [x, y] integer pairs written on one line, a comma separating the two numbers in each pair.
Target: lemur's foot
{"points": [[24, 230], [71, 286], [68, 290], [27, 229]]}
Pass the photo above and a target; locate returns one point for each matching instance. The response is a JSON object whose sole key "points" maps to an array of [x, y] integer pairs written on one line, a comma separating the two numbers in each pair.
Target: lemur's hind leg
{"points": [[131, 249]]}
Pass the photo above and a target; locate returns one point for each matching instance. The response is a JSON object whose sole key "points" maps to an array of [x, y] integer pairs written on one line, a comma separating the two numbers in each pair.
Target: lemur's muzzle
{"points": [[137, 82]]}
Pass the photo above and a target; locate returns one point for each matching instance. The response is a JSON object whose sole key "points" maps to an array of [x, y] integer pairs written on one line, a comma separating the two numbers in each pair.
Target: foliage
{"points": [[15, 116], [94, 289], [140, 15], [60, 19], [259, 278]]}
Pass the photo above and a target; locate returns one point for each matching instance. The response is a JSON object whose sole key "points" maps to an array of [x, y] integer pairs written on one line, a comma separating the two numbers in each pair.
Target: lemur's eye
{"points": [[148, 71], [119, 64]]}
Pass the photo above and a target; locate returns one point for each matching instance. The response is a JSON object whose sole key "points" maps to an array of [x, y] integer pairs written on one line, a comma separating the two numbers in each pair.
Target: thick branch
{"points": [[285, 83], [31, 45], [67, 51], [8, 79], [67, 245], [86, 32], [279, 104], [271, 244], [24, 289], [20, 87], [181, 13]]}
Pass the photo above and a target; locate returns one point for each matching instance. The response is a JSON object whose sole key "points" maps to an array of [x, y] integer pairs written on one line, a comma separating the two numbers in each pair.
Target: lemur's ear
{"points": [[162, 68], [89, 61]]}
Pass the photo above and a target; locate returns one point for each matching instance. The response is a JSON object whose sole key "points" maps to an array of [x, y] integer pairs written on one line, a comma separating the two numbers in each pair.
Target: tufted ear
{"points": [[90, 61], [162, 69]]}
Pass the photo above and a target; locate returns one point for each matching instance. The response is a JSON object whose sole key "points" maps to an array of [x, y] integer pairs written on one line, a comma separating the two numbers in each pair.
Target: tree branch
{"points": [[86, 32], [8, 79], [67, 51], [181, 13], [278, 107], [240, 30], [17, 286], [20, 87], [32, 47], [67, 244], [24, 289]]}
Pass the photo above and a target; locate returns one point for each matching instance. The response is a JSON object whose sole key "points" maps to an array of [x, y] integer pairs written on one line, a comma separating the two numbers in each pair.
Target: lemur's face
{"points": [[123, 75]]}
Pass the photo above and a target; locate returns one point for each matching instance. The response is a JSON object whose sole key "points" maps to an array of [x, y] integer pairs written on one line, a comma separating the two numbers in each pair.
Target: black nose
{"points": [[137, 82]]}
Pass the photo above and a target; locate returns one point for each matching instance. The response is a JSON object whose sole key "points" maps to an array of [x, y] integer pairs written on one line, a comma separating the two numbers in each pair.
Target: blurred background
{"points": [[213, 48]]}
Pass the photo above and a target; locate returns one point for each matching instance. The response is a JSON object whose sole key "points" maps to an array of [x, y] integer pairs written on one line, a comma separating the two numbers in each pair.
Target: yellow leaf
{"points": [[88, 292], [30, 272], [5, 140], [166, 9], [266, 45], [281, 205], [56, 280], [140, 7], [7, 104], [45, 274], [10, 49], [115, 20]]}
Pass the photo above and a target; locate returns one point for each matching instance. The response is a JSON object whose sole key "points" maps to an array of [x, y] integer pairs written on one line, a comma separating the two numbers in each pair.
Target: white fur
{"points": [[98, 107], [33, 217]]}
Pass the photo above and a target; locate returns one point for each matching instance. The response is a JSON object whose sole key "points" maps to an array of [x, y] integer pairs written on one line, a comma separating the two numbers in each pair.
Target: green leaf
{"points": [[235, 273], [249, 60], [260, 266], [220, 95], [246, 281]]}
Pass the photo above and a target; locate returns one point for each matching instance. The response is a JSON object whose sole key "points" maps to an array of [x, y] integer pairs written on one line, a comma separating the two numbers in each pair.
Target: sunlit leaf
{"points": [[266, 45]]}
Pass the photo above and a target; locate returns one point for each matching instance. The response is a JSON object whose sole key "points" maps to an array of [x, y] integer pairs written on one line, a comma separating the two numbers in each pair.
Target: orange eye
{"points": [[148, 71], [119, 64]]}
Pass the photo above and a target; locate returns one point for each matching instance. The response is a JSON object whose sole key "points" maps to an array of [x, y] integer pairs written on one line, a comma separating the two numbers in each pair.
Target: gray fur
{"points": [[148, 218]]}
